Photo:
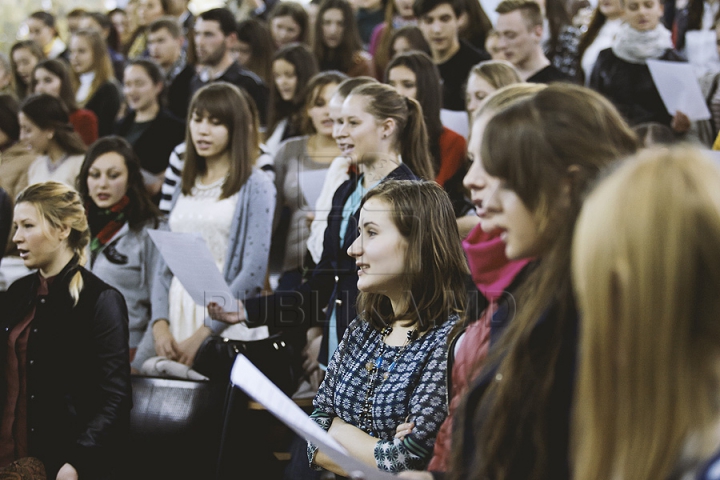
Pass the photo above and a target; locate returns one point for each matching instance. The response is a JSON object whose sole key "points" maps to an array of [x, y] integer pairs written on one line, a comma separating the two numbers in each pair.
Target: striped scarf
{"points": [[105, 223]]}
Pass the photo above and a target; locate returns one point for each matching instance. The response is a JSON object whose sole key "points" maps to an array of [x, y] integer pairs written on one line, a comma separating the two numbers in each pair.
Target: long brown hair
{"points": [[563, 135], [141, 208], [647, 388], [102, 65], [21, 89], [60, 70], [227, 104], [411, 136], [299, 56], [435, 261], [341, 57]]}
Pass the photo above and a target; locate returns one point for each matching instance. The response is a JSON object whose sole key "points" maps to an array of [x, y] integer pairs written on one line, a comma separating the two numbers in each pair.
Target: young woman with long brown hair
{"points": [[541, 155], [337, 44], [391, 362]]}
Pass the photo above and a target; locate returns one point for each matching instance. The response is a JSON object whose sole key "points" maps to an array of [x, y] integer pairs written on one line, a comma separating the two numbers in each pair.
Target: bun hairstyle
{"points": [[59, 205]]}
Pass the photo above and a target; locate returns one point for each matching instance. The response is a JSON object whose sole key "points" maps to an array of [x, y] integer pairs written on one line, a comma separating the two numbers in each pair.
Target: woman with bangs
{"points": [[540, 155], [313, 151], [337, 44], [92, 74], [649, 336], [391, 362], [226, 199]]}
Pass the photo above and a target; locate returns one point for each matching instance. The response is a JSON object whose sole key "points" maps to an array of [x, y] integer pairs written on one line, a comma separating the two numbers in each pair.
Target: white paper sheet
{"points": [[311, 183], [679, 88], [190, 260], [247, 377]]}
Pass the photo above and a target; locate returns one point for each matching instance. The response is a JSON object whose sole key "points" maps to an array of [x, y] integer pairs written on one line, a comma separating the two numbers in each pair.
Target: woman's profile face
{"points": [[243, 52], [285, 78], [81, 55], [38, 242], [107, 180], [333, 27], [36, 139], [358, 132], [379, 250], [404, 80], [47, 82], [284, 30], [24, 62], [140, 91], [319, 111], [610, 8], [477, 179], [517, 224], [210, 137]]}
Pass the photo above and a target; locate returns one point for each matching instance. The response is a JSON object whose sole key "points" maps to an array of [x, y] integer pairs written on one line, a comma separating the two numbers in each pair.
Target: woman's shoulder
{"points": [[293, 147]]}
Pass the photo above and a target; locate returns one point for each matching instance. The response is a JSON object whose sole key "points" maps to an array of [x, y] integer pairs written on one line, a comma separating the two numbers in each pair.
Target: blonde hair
{"points": [[650, 336], [59, 205], [498, 73], [507, 96]]}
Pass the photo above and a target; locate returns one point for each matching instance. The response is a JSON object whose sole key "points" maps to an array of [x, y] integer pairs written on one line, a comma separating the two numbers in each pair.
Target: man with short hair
{"points": [[438, 21], [215, 31], [520, 32], [165, 46]]}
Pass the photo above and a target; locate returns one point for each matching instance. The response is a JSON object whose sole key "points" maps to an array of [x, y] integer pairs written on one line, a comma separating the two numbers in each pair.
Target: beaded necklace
{"points": [[374, 368]]}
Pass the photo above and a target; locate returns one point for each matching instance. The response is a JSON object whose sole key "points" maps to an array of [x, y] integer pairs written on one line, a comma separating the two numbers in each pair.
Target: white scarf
{"points": [[635, 46]]}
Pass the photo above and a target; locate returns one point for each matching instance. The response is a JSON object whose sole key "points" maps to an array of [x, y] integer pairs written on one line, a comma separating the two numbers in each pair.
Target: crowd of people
{"points": [[483, 264]]}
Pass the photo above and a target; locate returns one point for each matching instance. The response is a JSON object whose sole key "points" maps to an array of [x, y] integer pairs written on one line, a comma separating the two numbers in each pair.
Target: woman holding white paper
{"points": [[229, 202], [621, 72]]}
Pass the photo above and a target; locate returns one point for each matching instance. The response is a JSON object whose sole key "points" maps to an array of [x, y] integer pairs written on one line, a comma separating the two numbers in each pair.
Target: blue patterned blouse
{"points": [[415, 387]]}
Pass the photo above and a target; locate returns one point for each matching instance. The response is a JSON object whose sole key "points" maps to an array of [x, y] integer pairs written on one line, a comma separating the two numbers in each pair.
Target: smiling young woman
{"points": [[150, 128], [391, 362]]}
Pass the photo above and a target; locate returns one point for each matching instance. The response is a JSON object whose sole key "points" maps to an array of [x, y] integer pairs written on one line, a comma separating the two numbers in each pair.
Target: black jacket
{"points": [[78, 372], [630, 87], [105, 103], [177, 92], [157, 142]]}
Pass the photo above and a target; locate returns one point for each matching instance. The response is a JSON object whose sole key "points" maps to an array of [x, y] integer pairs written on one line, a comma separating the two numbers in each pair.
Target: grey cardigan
{"points": [[248, 248], [134, 280]]}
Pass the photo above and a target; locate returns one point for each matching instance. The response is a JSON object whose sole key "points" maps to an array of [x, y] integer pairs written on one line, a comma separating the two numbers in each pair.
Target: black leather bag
{"points": [[272, 356]]}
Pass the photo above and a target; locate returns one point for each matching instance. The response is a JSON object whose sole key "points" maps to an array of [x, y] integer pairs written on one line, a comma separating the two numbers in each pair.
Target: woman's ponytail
{"points": [[414, 144]]}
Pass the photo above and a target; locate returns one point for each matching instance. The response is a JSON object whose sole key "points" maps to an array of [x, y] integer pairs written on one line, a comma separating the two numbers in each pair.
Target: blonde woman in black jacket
{"points": [[64, 361]]}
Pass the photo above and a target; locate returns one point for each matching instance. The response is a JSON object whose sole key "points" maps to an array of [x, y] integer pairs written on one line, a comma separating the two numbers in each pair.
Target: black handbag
{"points": [[272, 356]]}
